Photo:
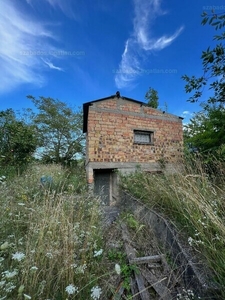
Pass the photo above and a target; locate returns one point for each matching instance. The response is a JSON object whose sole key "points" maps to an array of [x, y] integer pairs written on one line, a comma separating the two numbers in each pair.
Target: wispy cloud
{"points": [[66, 6], [187, 114], [51, 66], [141, 41], [23, 43]]}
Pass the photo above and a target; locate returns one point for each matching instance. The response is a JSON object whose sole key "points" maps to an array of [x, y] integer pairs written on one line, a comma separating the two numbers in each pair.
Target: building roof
{"points": [[117, 95]]}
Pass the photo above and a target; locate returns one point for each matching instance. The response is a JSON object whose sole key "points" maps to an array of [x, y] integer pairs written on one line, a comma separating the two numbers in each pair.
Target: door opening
{"points": [[105, 185]]}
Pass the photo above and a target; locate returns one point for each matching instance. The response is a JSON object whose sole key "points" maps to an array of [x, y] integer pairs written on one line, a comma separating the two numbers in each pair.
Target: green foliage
{"points": [[133, 223], [213, 62], [205, 131], [48, 237], [195, 205], [126, 273], [127, 270], [18, 140], [116, 255], [152, 97], [60, 131]]}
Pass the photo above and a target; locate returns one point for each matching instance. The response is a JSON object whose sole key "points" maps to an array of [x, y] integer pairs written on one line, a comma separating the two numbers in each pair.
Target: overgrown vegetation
{"points": [[51, 240], [194, 201]]}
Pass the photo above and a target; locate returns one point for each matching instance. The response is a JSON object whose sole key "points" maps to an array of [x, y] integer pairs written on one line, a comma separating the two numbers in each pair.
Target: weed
{"points": [[194, 201], [133, 223], [51, 240]]}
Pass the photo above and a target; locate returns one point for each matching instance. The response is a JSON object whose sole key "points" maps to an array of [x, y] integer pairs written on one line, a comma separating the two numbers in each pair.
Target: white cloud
{"points": [[23, 42], [129, 66], [51, 66], [186, 112], [146, 11], [187, 115], [162, 42], [66, 6]]}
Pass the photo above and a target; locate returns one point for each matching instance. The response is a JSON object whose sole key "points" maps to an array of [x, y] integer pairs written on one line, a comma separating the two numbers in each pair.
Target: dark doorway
{"points": [[102, 185], [105, 185]]}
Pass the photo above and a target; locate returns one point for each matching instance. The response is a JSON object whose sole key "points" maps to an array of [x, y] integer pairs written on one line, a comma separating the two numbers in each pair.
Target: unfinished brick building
{"points": [[123, 134]]}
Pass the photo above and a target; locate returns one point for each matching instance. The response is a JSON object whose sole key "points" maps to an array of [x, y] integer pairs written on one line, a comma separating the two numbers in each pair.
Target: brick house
{"points": [[123, 133]]}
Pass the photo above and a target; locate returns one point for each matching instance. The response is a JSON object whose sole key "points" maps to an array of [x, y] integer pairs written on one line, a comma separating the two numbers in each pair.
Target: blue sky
{"points": [[78, 51]]}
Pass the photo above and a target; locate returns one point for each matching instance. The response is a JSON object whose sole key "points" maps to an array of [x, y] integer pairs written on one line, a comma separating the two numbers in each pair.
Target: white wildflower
{"points": [[190, 293], [73, 266], [197, 233], [8, 274], [9, 287], [98, 253], [71, 289], [117, 269], [81, 269], [18, 256], [34, 268], [20, 241], [190, 241], [96, 292], [49, 255]]}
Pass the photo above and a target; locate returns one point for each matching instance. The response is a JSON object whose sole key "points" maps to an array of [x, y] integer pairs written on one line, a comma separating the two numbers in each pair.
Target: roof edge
{"points": [[117, 95]]}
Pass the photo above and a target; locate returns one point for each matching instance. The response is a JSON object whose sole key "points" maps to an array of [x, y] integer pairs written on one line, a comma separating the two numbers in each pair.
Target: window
{"points": [[143, 137]]}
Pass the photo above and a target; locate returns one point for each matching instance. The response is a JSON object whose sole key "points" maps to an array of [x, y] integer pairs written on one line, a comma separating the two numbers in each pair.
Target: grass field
{"points": [[53, 245], [51, 237]]}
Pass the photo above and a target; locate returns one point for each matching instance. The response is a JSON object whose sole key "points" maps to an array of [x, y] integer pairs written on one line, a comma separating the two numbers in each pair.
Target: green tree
{"points": [[152, 98], [213, 62], [60, 131], [206, 130], [18, 140]]}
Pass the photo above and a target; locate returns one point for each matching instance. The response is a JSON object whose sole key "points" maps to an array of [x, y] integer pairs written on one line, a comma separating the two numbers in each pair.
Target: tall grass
{"points": [[194, 200], [51, 237]]}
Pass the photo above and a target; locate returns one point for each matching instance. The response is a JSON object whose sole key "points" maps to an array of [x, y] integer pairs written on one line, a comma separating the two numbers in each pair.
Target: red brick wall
{"points": [[110, 134]]}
